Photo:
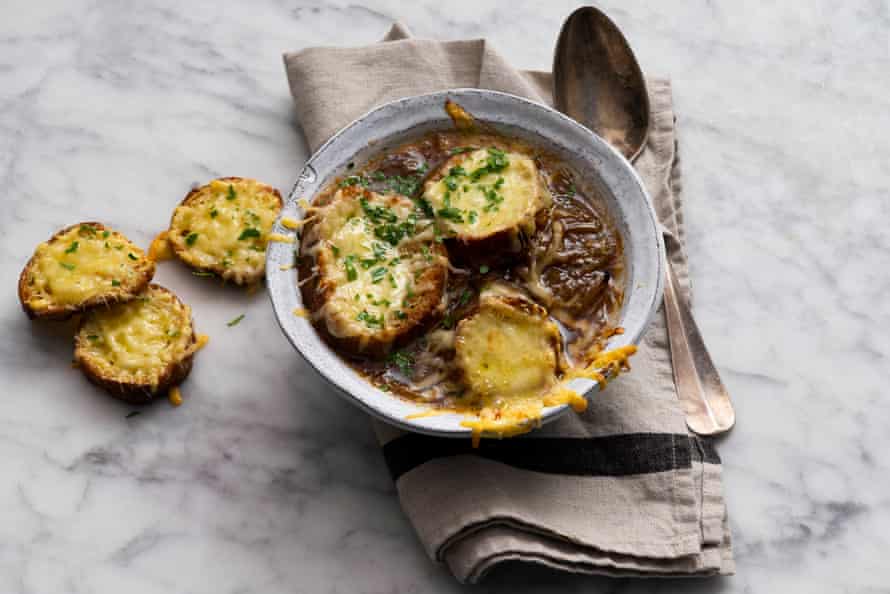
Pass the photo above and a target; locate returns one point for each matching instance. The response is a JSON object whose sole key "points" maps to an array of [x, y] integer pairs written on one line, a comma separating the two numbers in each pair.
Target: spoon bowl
{"points": [[598, 82]]}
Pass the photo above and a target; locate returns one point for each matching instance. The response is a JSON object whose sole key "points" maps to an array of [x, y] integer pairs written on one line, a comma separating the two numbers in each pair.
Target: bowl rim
{"points": [[308, 170]]}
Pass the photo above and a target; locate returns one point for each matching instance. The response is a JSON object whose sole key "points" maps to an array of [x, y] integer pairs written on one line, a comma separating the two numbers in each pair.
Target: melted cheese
{"points": [[513, 416], [505, 352], [160, 249], [509, 358], [292, 224], [371, 278], [510, 361], [496, 201], [227, 225], [137, 340], [81, 264], [175, 396], [280, 238]]}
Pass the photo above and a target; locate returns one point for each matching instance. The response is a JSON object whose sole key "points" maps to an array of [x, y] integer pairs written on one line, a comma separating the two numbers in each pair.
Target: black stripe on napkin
{"points": [[617, 455]]}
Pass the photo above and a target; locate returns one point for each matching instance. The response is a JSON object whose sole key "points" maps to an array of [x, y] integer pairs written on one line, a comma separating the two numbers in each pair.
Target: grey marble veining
{"points": [[265, 481]]}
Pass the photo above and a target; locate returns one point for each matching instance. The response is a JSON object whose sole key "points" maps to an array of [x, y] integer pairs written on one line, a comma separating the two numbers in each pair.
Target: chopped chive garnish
{"points": [[231, 194], [67, 266], [72, 248], [249, 232], [349, 265], [234, 322], [403, 361], [377, 274], [115, 282], [190, 240]]}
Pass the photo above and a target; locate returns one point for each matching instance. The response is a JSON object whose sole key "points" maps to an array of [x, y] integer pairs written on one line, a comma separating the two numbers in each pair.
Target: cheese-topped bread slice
{"points": [[378, 275], [508, 349], [487, 194], [223, 228], [82, 266], [138, 349]]}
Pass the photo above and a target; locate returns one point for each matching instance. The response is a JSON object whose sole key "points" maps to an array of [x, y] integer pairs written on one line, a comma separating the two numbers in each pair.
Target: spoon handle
{"points": [[699, 387]]}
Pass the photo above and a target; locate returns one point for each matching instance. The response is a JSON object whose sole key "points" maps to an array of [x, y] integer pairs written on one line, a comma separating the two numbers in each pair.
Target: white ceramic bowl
{"points": [[599, 166]]}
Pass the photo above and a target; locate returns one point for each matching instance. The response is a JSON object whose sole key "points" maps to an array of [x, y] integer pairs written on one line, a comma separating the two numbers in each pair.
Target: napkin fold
{"points": [[621, 489]]}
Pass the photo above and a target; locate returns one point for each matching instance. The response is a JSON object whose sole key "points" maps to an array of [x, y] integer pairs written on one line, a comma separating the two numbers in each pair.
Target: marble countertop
{"points": [[264, 481]]}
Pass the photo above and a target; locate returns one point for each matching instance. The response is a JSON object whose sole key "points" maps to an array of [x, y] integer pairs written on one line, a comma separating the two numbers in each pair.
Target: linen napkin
{"points": [[622, 489]]}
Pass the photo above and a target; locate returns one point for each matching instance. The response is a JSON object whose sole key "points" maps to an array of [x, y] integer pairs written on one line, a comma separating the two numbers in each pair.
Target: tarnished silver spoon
{"points": [[598, 82]]}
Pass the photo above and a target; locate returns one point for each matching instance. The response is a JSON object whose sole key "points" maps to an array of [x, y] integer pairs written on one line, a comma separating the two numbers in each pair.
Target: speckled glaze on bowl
{"points": [[597, 164]]}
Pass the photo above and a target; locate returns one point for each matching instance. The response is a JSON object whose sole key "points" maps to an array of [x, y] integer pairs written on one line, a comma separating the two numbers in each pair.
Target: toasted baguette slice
{"points": [[486, 198], [378, 275], [82, 266], [508, 348], [139, 349], [223, 228]]}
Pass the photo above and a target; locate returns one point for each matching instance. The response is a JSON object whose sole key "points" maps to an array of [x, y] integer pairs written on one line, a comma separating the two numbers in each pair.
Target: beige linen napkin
{"points": [[622, 489]]}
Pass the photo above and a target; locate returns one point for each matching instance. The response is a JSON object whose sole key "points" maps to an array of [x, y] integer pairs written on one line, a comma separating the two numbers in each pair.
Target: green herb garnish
{"points": [[483, 269], [348, 263], [403, 361], [67, 266], [72, 248], [377, 274], [234, 322], [335, 250], [132, 414], [115, 282], [497, 161], [377, 213], [370, 320], [201, 273], [425, 207], [249, 232], [190, 239], [213, 213], [465, 297], [231, 195], [353, 180]]}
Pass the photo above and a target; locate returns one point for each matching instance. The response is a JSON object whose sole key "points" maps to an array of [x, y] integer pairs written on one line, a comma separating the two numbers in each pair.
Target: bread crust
{"points": [[174, 373], [185, 254], [126, 291]]}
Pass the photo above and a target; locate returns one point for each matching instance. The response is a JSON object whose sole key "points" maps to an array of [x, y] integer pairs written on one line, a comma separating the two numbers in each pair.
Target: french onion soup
{"points": [[468, 271]]}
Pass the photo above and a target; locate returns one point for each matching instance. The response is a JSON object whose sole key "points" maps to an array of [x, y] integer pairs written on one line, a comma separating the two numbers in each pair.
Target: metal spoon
{"points": [[598, 82]]}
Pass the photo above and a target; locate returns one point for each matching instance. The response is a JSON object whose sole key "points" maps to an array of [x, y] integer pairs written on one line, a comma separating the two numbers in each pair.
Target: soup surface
{"points": [[468, 271]]}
